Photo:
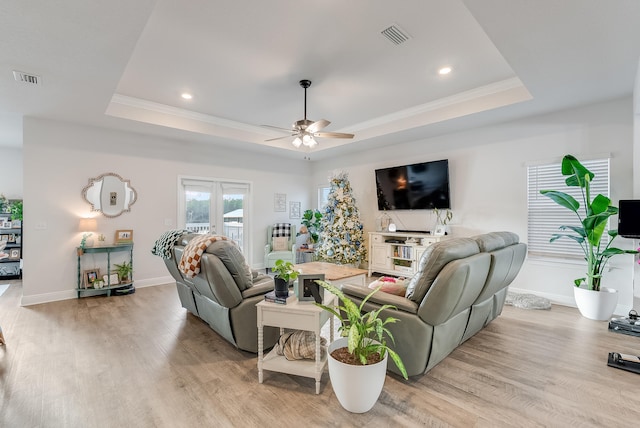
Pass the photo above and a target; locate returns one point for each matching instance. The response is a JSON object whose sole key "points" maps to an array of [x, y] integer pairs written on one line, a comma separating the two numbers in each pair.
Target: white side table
{"points": [[298, 316]]}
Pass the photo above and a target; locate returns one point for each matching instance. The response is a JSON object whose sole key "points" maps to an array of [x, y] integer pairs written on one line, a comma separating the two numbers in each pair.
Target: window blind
{"points": [[545, 216]]}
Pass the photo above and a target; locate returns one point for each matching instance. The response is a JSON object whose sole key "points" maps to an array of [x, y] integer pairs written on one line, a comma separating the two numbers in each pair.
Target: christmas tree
{"points": [[342, 232]]}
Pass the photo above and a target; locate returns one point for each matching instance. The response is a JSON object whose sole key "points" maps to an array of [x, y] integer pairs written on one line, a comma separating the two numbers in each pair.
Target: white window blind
{"points": [[545, 216]]}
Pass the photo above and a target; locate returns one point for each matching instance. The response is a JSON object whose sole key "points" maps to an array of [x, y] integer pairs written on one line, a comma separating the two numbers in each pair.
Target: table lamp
{"points": [[87, 226]]}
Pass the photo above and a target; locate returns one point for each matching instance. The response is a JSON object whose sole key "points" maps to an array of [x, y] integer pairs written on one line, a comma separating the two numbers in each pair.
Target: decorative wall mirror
{"points": [[109, 194]]}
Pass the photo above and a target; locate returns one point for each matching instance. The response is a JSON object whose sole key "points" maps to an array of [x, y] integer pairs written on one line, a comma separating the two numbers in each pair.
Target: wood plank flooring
{"points": [[142, 361]]}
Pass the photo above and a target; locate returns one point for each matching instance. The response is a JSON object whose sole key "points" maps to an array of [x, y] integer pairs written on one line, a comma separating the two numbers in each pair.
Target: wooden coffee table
{"points": [[336, 274]]}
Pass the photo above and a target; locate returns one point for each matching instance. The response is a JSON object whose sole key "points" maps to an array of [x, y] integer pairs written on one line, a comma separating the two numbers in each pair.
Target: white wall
{"points": [[488, 182], [59, 158], [11, 173]]}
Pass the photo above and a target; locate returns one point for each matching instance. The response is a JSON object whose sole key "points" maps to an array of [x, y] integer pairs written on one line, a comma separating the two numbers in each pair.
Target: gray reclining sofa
{"points": [[224, 293], [460, 287]]}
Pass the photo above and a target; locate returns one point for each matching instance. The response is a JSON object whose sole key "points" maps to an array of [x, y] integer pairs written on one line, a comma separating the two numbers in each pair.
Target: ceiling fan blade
{"points": [[280, 138], [333, 135], [277, 127], [317, 125]]}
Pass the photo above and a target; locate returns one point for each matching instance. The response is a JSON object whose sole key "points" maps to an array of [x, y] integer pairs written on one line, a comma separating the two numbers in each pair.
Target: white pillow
{"points": [[281, 243]]}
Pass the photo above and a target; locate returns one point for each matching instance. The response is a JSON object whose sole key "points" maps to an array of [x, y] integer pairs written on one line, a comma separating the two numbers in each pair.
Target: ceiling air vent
{"points": [[395, 34], [30, 79]]}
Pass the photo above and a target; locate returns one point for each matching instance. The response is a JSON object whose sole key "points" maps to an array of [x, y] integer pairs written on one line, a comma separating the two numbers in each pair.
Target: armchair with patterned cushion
{"points": [[281, 244]]}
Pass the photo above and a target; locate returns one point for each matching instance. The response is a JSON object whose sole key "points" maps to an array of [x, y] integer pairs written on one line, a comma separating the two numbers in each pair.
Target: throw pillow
{"points": [[396, 286], [281, 243]]}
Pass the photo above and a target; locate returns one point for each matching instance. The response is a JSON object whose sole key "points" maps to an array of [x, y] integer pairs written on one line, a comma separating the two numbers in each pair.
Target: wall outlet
{"points": [[168, 222], [41, 225]]}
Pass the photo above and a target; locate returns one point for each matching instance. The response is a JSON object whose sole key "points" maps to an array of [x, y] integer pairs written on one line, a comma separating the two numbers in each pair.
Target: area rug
{"points": [[527, 301], [3, 288]]}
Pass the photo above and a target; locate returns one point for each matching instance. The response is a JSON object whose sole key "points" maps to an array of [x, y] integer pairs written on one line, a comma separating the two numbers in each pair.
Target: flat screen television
{"points": [[413, 187], [629, 218]]}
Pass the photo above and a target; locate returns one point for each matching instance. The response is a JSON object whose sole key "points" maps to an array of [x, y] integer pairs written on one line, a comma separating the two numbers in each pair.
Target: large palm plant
{"points": [[593, 219]]}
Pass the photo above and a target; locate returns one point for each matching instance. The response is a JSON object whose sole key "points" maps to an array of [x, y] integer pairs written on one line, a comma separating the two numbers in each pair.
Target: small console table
{"points": [[109, 286], [298, 316]]}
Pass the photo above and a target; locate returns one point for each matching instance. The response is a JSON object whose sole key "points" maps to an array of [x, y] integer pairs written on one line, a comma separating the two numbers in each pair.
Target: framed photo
{"points": [[124, 236], [11, 238], [4, 238], [6, 224], [279, 202], [308, 290], [111, 279], [294, 209], [14, 254], [439, 230], [90, 276], [16, 223]]}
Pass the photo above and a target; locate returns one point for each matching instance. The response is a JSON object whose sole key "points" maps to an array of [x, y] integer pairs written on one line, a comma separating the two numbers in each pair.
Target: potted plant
{"points": [[285, 275], [312, 220], [358, 360], [593, 300], [16, 211], [124, 271]]}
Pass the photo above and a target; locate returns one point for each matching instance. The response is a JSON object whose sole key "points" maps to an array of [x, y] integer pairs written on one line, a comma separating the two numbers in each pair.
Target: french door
{"points": [[215, 206]]}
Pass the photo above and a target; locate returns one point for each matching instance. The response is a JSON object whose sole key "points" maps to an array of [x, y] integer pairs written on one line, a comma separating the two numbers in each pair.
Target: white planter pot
{"points": [[596, 305], [356, 387]]}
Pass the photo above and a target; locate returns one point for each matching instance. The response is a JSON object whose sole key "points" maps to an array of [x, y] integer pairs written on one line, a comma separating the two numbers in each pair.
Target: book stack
{"points": [[271, 297]]}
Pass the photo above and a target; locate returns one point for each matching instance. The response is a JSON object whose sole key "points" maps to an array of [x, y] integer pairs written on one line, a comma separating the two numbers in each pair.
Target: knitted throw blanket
{"points": [[190, 261]]}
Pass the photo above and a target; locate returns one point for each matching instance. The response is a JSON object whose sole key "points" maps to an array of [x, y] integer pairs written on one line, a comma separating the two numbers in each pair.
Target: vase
{"points": [[281, 287], [356, 387], [596, 305]]}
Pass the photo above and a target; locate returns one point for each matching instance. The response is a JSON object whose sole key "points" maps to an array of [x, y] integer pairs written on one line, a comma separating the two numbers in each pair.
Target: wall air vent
{"points": [[29, 79], [395, 34]]}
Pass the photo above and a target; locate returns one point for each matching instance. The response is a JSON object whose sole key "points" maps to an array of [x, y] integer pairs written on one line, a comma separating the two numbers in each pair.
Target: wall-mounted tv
{"points": [[413, 187]]}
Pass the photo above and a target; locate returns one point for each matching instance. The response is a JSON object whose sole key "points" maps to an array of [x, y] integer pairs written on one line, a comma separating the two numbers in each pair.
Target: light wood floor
{"points": [[142, 361]]}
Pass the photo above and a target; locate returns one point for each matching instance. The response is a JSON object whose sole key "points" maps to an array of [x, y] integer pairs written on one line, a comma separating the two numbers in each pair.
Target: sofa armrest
{"points": [[260, 286], [380, 298]]}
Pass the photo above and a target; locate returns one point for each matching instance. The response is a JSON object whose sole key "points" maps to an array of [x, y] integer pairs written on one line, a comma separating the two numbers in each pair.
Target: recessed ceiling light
{"points": [[444, 70], [186, 96]]}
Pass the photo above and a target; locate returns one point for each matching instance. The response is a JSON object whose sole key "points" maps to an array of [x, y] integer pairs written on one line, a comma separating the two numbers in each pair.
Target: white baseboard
{"points": [[37, 299], [568, 300]]}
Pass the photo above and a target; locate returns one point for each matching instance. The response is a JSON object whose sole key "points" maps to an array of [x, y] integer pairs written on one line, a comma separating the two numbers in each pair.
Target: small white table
{"points": [[298, 316]]}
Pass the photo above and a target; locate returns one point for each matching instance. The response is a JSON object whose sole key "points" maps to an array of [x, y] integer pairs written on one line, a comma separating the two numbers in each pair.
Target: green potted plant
{"points": [[312, 219], [285, 275], [358, 360], [124, 271], [592, 217], [16, 211]]}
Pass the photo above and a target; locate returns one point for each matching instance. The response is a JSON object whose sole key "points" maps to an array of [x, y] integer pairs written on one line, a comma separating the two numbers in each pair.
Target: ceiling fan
{"points": [[306, 130]]}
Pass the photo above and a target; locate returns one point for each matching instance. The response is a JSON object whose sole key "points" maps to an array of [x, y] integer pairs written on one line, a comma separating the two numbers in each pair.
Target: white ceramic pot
{"points": [[356, 387], [596, 305]]}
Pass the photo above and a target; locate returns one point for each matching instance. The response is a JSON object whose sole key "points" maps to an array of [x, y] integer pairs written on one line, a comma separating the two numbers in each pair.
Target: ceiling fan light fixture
{"points": [[297, 142], [308, 140]]}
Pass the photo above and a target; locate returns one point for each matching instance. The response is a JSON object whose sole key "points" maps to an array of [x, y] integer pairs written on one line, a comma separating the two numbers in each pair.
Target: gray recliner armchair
{"points": [[224, 293], [460, 287]]}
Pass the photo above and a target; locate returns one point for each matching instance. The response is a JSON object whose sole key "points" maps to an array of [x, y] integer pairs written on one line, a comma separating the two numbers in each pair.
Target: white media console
{"points": [[398, 253]]}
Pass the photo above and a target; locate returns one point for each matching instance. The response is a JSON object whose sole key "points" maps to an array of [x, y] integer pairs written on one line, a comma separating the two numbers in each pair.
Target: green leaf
{"points": [[600, 204], [562, 199], [577, 172], [396, 359], [555, 237]]}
